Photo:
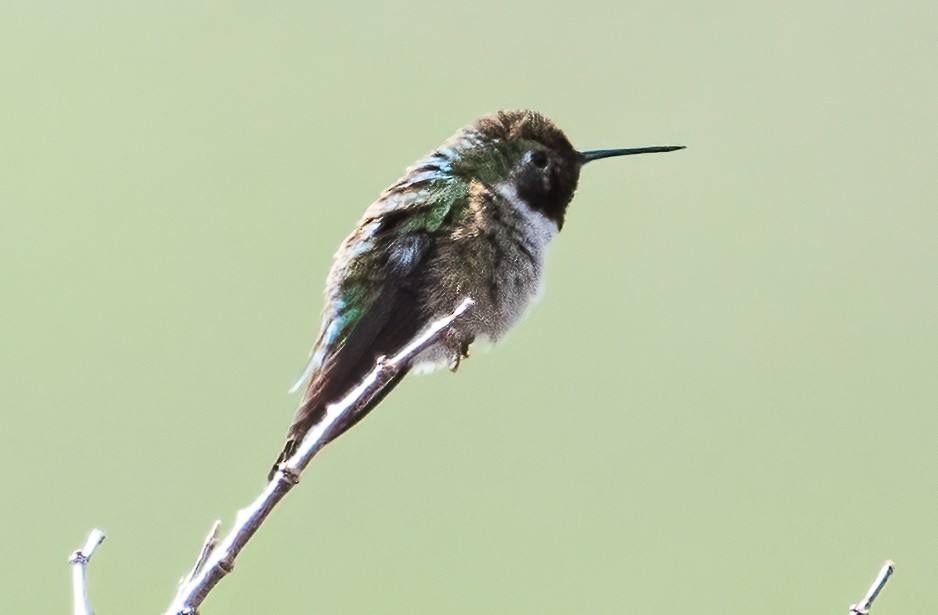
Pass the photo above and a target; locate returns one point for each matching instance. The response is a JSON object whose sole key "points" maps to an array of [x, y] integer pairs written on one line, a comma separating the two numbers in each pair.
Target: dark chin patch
{"points": [[546, 204], [550, 198]]}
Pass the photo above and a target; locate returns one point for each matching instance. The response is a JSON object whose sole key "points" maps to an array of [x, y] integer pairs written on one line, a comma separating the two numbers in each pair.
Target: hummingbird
{"points": [[471, 219]]}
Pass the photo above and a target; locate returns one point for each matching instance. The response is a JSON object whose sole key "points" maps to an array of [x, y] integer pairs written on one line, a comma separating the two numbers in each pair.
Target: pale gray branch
{"points": [[221, 559], [79, 560], [863, 607]]}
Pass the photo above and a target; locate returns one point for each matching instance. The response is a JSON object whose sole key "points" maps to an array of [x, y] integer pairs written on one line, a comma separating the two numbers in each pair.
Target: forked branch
{"points": [[216, 561]]}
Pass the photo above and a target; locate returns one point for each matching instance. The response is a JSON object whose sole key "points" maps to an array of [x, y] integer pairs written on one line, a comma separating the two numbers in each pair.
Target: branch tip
{"points": [[81, 605], [863, 607]]}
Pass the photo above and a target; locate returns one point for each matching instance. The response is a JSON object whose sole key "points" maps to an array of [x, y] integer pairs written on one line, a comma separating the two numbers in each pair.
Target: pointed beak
{"points": [[596, 154]]}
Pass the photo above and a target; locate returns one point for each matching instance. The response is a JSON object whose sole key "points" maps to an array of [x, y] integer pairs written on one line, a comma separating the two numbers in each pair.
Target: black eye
{"points": [[539, 159]]}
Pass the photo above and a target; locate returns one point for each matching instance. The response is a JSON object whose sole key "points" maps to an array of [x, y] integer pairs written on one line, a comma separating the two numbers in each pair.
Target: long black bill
{"points": [[597, 154]]}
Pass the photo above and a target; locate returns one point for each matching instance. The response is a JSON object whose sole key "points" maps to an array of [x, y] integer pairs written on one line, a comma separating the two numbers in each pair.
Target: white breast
{"points": [[519, 278], [537, 231]]}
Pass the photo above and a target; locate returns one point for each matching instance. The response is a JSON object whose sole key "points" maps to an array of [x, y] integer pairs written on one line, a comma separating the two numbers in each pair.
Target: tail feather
{"points": [[310, 414], [288, 449]]}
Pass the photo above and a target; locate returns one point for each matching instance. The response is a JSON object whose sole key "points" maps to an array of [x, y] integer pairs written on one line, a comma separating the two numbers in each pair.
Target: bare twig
{"points": [[863, 607], [79, 560], [222, 558], [210, 541]]}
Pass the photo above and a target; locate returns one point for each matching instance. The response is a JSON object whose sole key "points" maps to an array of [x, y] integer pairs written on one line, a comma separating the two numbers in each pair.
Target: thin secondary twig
{"points": [[79, 561], [863, 607], [207, 546], [222, 558]]}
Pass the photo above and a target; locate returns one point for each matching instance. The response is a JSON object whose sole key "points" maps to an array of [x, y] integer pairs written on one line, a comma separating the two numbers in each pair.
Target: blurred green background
{"points": [[725, 403]]}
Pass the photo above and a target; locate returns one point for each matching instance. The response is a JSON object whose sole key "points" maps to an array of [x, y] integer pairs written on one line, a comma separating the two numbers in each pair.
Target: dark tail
{"points": [[288, 449], [307, 418]]}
